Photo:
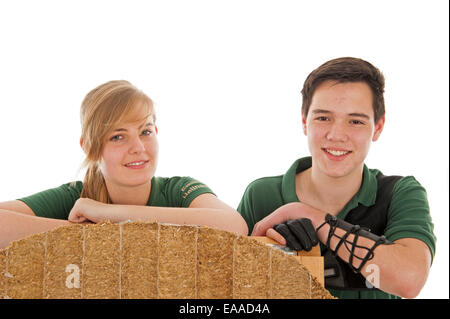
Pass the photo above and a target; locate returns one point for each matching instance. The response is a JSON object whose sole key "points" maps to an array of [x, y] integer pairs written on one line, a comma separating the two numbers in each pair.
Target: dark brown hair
{"points": [[346, 69]]}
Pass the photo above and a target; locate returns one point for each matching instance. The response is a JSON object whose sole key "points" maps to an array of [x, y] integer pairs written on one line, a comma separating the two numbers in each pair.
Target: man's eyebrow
{"points": [[360, 115], [321, 111], [316, 111]]}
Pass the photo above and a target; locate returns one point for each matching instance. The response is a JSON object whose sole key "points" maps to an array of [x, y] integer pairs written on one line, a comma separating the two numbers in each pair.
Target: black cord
{"points": [[355, 229]]}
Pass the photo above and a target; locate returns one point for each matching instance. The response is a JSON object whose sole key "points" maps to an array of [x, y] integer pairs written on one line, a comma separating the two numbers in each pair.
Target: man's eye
{"points": [[356, 122]]}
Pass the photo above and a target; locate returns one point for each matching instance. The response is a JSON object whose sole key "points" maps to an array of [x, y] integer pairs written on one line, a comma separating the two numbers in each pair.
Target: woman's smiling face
{"points": [[130, 154], [340, 127]]}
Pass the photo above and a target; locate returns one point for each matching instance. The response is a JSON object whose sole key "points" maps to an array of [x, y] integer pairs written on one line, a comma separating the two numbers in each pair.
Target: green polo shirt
{"points": [[165, 192], [408, 215]]}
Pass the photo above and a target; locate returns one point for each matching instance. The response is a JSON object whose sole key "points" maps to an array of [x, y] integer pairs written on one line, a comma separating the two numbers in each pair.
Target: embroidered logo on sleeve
{"points": [[189, 188]]}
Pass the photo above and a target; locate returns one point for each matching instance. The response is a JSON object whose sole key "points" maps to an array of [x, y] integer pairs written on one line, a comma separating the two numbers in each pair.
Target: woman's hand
{"points": [[88, 210]]}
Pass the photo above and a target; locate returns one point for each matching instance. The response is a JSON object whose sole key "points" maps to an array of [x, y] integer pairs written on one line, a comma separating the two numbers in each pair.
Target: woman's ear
{"points": [[82, 144], [156, 129]]}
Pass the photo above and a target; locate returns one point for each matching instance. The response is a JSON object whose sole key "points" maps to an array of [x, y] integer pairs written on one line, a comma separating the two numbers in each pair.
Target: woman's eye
{"points": [[147, 132], [116, 138], [322, 118]]}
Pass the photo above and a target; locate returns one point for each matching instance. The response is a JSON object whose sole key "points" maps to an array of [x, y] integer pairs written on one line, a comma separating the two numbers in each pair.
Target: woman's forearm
{"points": [[214, 218], [14, 226]]}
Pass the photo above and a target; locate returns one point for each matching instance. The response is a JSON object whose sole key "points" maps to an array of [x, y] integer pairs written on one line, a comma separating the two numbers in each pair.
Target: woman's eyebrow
{"points": [[148, 124], [120, 129]]}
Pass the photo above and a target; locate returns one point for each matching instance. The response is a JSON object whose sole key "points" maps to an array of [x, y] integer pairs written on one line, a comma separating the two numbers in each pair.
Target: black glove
{"points": [[300, 234]]}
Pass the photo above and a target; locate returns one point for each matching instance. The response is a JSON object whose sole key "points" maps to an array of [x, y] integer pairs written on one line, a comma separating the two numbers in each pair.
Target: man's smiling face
{"points": [[340, 127]]}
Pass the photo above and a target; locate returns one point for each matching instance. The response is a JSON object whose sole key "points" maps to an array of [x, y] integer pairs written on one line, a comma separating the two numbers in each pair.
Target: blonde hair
{"points": [[102, 110]]}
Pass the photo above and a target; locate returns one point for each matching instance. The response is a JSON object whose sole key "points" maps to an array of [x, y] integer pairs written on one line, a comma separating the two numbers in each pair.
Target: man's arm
{"points": [[402, 266]]}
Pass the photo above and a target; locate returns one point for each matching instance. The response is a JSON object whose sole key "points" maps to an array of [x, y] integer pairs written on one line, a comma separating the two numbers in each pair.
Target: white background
{"points": [[226, 78]]}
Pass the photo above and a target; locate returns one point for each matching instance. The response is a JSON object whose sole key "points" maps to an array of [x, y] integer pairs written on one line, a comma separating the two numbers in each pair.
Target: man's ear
{"points": [[378, 129], [304, 124]]}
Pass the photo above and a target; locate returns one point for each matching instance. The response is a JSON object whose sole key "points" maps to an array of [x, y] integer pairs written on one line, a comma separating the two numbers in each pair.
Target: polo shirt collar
{"points": [[154, 190], [366, 195], [288, 183]]}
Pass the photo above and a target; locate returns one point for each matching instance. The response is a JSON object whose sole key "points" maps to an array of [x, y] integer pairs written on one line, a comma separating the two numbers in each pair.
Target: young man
{"points": [[375, 231]]}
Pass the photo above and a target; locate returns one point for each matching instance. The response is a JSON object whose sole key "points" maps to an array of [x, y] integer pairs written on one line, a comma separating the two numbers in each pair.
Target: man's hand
{"points": [[289, 211], [284, 213], [299, 234]]}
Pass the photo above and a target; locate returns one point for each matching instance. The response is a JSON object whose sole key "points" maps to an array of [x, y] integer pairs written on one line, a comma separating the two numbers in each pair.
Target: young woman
{"points": [[119, 138]]}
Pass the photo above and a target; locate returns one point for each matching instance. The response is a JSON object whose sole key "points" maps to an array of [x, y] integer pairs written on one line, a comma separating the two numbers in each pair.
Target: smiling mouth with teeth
{"points": [[136, 163], [336, 153]]}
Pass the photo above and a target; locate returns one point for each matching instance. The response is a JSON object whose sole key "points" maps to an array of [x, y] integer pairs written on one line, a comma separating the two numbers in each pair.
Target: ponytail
{"points": [[94, 186]]}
